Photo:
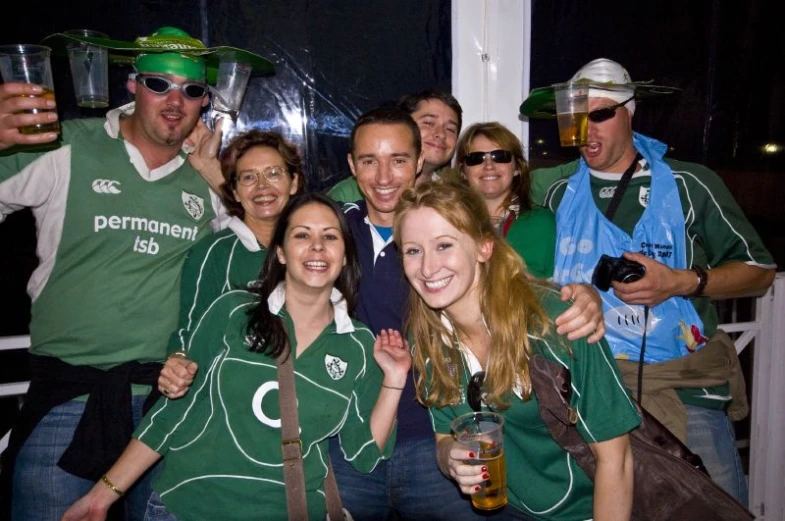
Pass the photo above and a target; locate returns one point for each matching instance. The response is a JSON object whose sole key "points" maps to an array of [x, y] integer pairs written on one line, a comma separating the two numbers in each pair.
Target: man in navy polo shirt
{"points": [[386, 154]]}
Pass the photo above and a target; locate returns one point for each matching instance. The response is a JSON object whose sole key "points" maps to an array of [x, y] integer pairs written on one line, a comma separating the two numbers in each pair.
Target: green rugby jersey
{"points": [[222, 441], [112, 236], [224, 261], [543, 480]]}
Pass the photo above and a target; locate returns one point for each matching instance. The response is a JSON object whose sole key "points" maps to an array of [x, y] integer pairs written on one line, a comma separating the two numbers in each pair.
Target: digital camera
{"points": [[618, 269]]}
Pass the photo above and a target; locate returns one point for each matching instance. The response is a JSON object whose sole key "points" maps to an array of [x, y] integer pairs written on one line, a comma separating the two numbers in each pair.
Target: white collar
{"points": [[612, 176], [474, 363], [378, 243], [112, 127], [343, 324], [244, 233]]}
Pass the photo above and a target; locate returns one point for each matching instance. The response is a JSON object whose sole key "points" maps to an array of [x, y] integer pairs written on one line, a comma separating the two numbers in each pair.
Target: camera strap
{"points": [[622, 187], [609, 213]]}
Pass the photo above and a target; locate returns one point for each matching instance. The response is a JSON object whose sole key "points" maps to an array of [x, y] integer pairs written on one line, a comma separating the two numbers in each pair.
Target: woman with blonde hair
{"points": [[477, 317]]}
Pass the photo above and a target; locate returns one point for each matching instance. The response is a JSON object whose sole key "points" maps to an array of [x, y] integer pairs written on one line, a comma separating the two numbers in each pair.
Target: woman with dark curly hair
{"points": [[222, 444]]}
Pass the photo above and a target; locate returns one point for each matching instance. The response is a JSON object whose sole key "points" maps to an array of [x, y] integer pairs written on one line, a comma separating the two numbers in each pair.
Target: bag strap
{"points": [[292, 448]]}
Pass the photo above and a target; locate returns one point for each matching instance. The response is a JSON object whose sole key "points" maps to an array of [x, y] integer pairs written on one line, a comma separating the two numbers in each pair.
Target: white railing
{"points": [[767, 428]]}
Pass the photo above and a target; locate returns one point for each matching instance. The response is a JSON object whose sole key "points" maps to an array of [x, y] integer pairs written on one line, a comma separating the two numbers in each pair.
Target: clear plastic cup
{"points": [[482, 433], [230, 87], [572, 113], [89, 70], [29, 63]]}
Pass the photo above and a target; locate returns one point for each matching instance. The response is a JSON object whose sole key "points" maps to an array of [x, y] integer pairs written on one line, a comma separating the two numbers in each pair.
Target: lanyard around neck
{"points": [[622, 187]]}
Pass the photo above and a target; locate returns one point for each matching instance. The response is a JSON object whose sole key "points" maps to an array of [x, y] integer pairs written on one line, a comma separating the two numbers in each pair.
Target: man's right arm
{"points": [[16, 98]]}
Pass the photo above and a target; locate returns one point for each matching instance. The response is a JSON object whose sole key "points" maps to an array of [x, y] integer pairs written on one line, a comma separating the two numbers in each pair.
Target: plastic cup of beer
{"points": [[89, 70], [230, 87], [481, 433], [572, 113], [29, 63]]}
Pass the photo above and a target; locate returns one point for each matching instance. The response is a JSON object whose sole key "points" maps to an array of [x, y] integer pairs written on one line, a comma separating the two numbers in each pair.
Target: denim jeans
{"points": [[408, 486], [710, 435], [42, 491]]}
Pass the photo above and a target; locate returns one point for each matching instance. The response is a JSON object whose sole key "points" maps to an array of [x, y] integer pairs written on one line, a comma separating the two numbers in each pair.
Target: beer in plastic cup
{"points": [[572, 113], [89, 70], [230, 87], [481, 433], [29, 63]]}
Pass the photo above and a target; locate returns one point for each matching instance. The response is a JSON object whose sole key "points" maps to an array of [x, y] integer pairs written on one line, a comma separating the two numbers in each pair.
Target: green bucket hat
{"points": [[601, 74], [167, 50]]}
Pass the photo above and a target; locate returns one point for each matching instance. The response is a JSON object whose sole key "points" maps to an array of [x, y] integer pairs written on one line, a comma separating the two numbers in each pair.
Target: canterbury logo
{"points": [[106, 186]]}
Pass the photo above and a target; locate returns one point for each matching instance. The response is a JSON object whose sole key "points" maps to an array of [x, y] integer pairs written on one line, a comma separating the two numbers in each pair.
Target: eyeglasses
{"points": [[474, 396], [497, 156], [273, 174], [606, 113], [161, 85]]}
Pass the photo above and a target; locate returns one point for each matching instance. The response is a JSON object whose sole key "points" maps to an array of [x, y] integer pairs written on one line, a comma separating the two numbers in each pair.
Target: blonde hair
{"points": [[507, 298]]}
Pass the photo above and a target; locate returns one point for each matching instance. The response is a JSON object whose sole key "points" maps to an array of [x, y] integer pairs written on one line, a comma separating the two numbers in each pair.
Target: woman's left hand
{"points": [[584, 317], [391, 352]]}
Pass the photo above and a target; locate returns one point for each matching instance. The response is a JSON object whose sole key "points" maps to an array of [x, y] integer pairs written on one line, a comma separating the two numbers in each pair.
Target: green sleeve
{"points": [[162, 425], [533, 236], [355, 437], [201, 282], [345, 191], [543, 178], [723, 231], [605, 408], [15, 158]]}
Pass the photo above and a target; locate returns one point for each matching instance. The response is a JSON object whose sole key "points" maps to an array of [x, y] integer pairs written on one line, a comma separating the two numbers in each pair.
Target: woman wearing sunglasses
{"points": [[474, 310], [260, 172], [491, 161], [490, 157], [222, 444]]}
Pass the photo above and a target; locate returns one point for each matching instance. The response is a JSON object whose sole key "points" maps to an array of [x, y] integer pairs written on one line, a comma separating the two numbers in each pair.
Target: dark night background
{"points": [[338, 58]]}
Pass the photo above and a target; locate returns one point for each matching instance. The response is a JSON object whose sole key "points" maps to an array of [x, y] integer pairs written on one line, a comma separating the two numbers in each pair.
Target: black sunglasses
{"points": [[606, 113], [474, 396], [497, 156], [161, 85]]}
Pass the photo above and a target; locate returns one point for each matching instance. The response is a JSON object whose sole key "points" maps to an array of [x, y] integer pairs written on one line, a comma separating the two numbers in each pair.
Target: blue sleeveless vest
{"points": [[674, 328]]}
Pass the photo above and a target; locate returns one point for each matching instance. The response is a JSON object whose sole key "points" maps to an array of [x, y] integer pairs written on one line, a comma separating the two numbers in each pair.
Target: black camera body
{"points": [[618, 269]]}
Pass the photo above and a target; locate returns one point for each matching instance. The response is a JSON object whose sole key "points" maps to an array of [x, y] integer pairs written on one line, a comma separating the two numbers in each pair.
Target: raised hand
{"points": [[391, 352], [204, 157], [16, 97]]}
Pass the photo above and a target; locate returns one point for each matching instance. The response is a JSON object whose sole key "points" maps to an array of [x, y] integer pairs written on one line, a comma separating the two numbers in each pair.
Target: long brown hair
{"points": [[501, 135], [507, 297]]}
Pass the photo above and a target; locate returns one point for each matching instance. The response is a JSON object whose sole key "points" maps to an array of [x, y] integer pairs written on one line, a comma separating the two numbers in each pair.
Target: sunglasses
{"points": [[606, 113], [160, 85], [474, 396], [497, 156]]}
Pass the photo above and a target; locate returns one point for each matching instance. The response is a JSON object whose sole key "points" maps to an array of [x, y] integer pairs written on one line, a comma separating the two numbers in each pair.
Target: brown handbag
{"points": [[292, 447], [670, 482]]}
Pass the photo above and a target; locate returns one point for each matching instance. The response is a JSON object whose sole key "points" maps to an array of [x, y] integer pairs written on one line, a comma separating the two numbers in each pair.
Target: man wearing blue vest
{"points": [[679, 222]]}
